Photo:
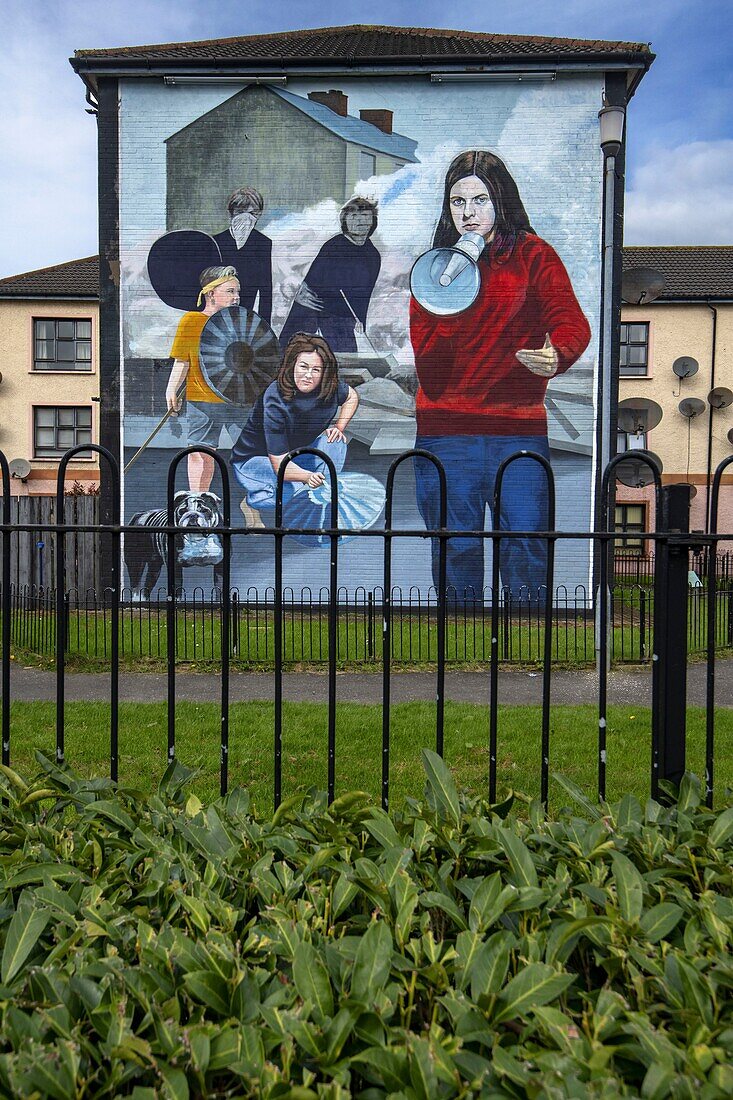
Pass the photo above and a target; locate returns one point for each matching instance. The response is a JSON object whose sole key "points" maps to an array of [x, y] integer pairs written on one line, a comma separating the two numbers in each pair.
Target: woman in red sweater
{"points": [[483, 374]]}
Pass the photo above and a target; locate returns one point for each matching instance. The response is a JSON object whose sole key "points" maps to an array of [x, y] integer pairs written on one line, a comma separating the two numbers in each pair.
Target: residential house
{"points": [[677, 352], [50, 373]]}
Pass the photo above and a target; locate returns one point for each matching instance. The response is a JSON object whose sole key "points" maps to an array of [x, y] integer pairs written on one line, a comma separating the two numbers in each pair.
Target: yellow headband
{"points": [[216, 282]]}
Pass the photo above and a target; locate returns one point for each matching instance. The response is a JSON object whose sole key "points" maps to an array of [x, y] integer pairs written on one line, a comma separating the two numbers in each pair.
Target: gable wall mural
{"points": [[361, 268]]}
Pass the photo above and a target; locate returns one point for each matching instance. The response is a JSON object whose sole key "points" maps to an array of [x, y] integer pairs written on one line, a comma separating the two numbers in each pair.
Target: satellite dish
{"points": [[720, 397], [691, 406], [635, 472], [445, 281], [641, 285], [685, 366], [20, 468], [638, 414]]}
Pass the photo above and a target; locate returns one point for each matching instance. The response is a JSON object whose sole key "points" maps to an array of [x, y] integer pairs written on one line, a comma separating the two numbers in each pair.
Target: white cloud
{"points": [[682, 195]]}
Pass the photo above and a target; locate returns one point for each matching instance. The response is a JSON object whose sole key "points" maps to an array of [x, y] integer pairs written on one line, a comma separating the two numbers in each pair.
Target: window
{"points": [[58, 429], [367, 166], [630, 518], [634, 354], [62, 344]]}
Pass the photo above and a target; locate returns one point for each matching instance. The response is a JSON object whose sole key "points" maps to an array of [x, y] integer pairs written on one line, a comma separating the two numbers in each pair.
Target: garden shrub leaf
{"points": [[489, 968], [209, 989], [629, 887], [629, 811], [690, 795], [482, 910], [422, 1069], [26, 926], [175, 1085], [435, 899], [381, 827], [311, 980], [659, 921], [697, 991], [523, 868], [722, 828], [442, 784], [537, 984], [372, 962], [577, 795]]}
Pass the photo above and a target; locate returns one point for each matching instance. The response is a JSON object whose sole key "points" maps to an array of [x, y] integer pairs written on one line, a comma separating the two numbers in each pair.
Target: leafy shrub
{"points": [[153, 947]]}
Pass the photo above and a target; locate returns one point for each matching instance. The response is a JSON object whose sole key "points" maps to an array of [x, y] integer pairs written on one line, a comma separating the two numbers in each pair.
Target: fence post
{"points": [[669, 674], [642, 624], [235, 623], [370, 624]]}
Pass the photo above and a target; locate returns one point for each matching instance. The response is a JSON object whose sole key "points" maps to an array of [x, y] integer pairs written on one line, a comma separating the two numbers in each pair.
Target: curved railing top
{"points": [[114, 469]]}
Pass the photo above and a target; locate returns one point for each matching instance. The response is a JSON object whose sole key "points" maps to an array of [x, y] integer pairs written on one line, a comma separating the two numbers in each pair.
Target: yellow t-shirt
{"points": [[186, 348]]}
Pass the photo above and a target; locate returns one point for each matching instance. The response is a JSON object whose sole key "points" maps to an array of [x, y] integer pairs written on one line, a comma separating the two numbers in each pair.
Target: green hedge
{"points": [[153, 947]]}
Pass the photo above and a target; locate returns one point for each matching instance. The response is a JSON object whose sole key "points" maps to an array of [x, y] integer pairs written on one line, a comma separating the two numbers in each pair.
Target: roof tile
{"points": [[75, 279], [367, 42], [690, 271]]}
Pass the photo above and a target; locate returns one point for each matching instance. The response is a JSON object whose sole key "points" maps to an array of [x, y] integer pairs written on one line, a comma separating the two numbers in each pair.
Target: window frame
{"points": [[624, 546], [634, 370], [56, 365], [59, 452]]}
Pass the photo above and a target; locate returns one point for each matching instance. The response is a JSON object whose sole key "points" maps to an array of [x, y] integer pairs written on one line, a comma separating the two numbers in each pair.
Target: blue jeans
{"points": [[258, 478], [471, 463]]}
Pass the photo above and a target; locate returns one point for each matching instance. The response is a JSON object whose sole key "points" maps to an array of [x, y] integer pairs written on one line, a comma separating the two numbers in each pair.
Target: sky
{"points": [[679, 131]]}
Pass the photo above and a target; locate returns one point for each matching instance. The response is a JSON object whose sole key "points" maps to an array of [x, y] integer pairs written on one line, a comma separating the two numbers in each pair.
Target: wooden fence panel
{"points": [[34, 565]]}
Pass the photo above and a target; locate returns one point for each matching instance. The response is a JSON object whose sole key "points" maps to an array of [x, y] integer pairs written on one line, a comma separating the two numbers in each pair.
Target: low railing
{"points": [[143, 625]]}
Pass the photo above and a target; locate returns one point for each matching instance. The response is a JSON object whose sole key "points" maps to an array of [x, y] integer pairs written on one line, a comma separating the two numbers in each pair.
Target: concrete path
{"points": [[632, 686]]}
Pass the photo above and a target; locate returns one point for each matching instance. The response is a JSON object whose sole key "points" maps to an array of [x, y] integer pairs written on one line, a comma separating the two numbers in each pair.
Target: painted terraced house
{"points": [[357, 151]]}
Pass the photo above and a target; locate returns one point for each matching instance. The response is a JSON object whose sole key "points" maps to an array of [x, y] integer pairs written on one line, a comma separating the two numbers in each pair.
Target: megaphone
{"points": [[445, 281]]}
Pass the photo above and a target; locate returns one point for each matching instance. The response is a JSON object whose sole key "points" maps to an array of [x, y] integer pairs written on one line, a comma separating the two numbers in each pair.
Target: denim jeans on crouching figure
{"points": [[258, 478], [471, 464]]}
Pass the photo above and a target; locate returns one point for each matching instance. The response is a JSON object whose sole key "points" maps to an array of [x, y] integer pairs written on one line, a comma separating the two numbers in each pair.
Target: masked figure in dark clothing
{"points": [[248, 251], [334, 296]]}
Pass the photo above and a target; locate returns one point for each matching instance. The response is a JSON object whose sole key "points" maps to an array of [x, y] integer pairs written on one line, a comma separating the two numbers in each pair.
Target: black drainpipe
{"points": [[711, 414]]}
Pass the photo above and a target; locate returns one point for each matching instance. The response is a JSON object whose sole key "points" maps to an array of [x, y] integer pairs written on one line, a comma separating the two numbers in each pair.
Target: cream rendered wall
{"points": [[22, 388], [677, 329]]}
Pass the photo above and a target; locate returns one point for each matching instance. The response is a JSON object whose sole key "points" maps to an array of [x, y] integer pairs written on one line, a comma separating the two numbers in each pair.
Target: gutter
{"points": [[702, 301], [90, 70], [50, 298]]}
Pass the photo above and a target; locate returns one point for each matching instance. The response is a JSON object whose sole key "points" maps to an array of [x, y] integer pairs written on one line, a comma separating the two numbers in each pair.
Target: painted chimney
{"points": [[381, 119], [334, 99]]}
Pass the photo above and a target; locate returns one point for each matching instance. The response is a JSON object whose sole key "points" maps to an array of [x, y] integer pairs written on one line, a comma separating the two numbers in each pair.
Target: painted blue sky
{"points": [[680, 132]]}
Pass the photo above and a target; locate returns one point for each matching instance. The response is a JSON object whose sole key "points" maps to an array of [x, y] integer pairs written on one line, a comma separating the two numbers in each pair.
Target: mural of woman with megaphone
{"points": [[483, 373]]}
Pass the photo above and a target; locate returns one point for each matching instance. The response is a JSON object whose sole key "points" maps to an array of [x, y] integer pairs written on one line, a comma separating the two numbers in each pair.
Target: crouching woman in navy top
{"points": [[295, 411]]}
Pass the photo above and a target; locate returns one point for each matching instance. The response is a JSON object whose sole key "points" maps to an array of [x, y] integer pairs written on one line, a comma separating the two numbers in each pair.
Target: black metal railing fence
{"points": [[668, 622]]}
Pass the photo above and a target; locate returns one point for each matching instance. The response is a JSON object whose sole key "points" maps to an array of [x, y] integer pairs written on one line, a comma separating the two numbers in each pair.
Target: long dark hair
{"points": [[511, 217], [306, 342]]}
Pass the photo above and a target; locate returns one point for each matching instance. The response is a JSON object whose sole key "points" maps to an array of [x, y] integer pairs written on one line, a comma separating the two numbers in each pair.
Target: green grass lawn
{"points": [[358, 753]]}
